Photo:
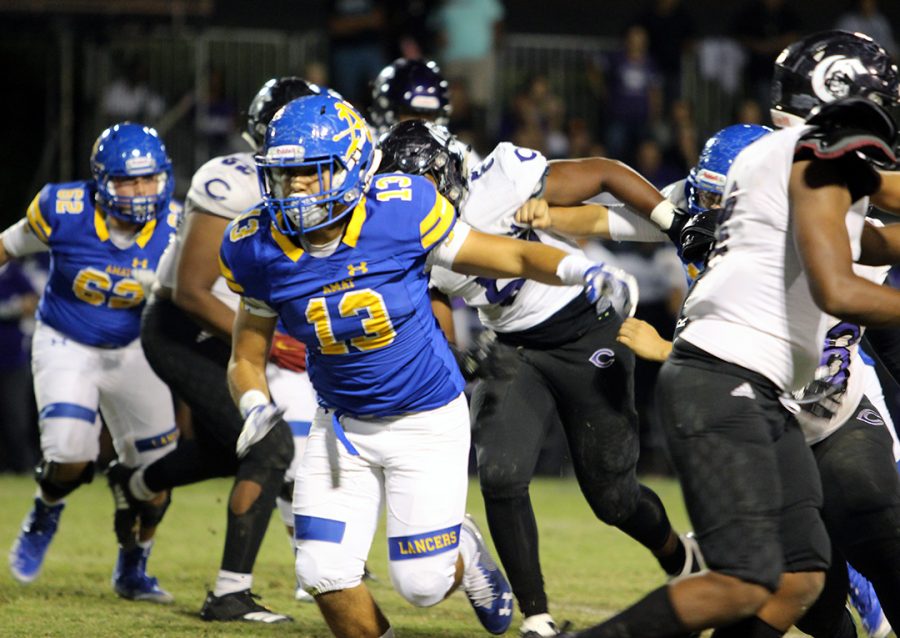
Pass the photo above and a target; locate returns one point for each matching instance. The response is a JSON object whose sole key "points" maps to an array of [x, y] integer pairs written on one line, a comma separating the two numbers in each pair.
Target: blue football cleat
{"points": [[485, 585], [27, 554], [864, 600], [130, 579]]}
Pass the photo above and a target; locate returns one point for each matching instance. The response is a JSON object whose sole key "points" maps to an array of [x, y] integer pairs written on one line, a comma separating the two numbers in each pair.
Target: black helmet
{"points": [[272, 96], [828, 66], [418, 147], [409, 87]]}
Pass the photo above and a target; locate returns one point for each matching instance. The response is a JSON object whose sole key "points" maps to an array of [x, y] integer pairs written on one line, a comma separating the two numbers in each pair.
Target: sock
{"points": [[138, 486], [649, 524], [231, 582], [514, 530], [467, 549], [145, 544], [751, 627], [674, 562], [651, 617]]}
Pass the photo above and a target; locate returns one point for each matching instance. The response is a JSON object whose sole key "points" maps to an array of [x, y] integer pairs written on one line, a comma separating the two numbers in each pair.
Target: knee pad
{"points": [[151, 515], [323, 567], [425, 584], [273, 454], [47, 475]]}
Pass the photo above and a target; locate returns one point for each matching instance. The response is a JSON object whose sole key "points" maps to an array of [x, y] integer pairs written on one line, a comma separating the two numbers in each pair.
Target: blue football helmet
{"points": [[413, 88], [705, 183], [131, 150], [318, 135]]}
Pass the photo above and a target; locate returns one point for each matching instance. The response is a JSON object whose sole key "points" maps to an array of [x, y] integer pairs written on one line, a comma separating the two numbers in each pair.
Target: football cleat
{"points": [[130, 579], [542, 626], [485, 585], [239, 605], [867, 605], [27, 554], [303, 596]]}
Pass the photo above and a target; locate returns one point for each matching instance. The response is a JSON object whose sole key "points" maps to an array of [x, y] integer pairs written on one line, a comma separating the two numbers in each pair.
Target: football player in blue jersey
{"points": [[86, 359], [341, 258]]}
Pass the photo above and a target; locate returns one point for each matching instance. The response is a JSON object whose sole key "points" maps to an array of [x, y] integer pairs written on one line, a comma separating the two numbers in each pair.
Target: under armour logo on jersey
{"points": [[603, 358], [870, 416], [744, 390], [139, 263], [362, 269]]}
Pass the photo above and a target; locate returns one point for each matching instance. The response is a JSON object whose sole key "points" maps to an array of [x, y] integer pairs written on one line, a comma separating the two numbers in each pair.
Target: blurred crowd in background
{"points": [[649, 97]]}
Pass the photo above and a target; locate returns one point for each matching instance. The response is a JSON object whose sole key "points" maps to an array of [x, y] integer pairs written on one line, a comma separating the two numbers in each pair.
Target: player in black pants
{"points": [[554, 358], [186, 335]]}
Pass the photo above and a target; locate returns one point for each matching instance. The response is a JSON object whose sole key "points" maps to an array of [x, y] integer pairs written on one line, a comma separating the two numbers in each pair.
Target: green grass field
{"points": [[590, 570]]}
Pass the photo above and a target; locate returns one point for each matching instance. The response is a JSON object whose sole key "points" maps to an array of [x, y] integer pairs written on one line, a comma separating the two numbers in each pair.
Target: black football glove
{"points": [[698, 236], [693, 235]]}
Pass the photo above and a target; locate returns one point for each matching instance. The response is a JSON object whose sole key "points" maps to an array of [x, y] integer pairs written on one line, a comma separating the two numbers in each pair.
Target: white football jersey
{"points": [[498, 186], [752, 306], [225, 186], [843, 367]]}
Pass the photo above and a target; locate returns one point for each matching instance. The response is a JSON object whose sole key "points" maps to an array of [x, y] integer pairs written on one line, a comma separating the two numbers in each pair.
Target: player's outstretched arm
{"points": [[497, 257], [198, 270], [819, 199], [571, 182], [586, 220]]}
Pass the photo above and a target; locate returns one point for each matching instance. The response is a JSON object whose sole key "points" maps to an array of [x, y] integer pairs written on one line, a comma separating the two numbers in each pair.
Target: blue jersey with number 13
{"points": [[364, 312]]}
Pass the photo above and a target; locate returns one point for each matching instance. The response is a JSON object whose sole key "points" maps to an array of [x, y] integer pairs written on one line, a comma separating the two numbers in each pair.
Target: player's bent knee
{"points": [[421, 585], [324, 567]]}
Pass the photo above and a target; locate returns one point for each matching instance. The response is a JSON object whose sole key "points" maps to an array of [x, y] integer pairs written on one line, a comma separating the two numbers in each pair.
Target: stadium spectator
{"points": [[18, 301], [764, 28], [356, 46], [670, 31], [217, 115], [631, 88], [864, 17], [129, 97], [468, 33]]}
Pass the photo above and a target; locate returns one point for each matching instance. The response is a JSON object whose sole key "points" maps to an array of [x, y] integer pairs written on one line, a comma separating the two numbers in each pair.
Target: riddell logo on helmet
{"points": [[711, 178], [834, 76], [288, 150], [143, 163]]}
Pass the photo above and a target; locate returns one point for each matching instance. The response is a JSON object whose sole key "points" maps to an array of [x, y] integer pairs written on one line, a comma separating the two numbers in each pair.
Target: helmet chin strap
{"points": [[373, 168]]}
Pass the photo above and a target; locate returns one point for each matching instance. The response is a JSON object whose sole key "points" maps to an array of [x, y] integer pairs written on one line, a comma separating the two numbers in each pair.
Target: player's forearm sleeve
{"points": [[20, 241], [626, 225]]}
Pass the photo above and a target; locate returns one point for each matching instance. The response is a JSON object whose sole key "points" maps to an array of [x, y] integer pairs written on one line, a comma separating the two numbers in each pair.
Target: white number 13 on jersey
{"points": [[376, 322]]}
